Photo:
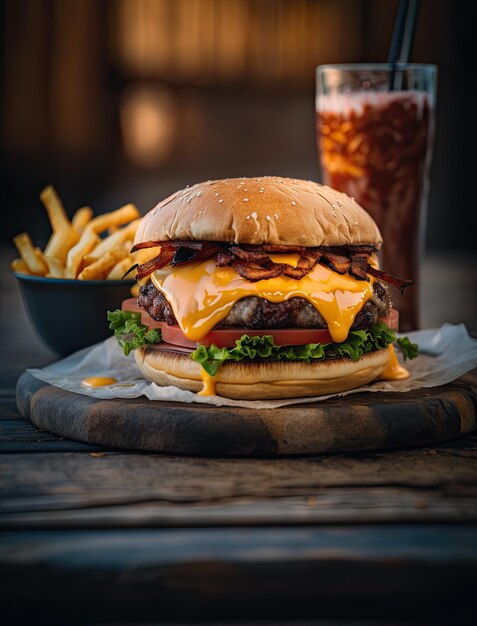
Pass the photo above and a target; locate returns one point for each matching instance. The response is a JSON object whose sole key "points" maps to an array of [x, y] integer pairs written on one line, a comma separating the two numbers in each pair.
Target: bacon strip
{"points": [[388, 278], [175, 253], [254, 272], [184, 255], [224, 258], [146, 244], [176, 243], [164, 258], [131, 269], [249, 255], [305, 264], [360, 249], [208, 250], [271, 248], [359, 265], [191, 245], [337, 262]]}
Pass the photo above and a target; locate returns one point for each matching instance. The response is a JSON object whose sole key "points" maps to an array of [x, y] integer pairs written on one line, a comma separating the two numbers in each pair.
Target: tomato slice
{"points": [[131, 305], [226, 337], [391, 320]]}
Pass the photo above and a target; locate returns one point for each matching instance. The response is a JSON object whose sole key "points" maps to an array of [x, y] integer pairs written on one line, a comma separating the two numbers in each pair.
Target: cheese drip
{"points": [[393, 370], [208, 384], [202, 294], [98, 381]]}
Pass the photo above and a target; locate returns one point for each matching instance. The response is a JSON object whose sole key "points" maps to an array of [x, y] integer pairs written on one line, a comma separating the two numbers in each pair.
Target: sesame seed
{"points": [[254, 215], [248, 217], [199, 193], [188, 199], [339, 203], [356, 223], [261, 190], [217, 193], [275, 216], [268, 218], [335, 206], [220, 201], [187, 186], [293, 202], [245, 199]]}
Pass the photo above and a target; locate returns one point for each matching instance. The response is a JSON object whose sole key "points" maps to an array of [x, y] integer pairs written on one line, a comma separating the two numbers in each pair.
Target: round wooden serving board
{"points": [[368, 421]]}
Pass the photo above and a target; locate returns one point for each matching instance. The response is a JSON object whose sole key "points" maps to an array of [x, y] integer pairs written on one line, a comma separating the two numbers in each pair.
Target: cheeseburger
{"points": [[260, 288]]}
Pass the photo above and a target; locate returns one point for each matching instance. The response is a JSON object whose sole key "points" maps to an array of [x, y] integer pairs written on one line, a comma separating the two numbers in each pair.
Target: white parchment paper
{"points": [[445, 354]]}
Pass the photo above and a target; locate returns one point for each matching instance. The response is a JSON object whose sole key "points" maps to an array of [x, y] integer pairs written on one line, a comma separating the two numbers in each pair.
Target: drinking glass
{"points": [[375, 127]]}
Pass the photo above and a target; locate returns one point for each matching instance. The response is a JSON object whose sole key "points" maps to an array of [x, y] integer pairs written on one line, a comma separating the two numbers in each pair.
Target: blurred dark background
{"points": [[127, 100]]}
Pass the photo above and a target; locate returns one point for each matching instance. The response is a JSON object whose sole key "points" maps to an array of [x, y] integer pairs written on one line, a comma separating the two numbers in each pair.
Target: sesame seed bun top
{"points": [[266, 210]]}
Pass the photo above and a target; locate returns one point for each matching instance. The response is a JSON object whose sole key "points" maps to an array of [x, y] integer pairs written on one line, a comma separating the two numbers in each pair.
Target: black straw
{"points": [[403, 36], [409, 31]]}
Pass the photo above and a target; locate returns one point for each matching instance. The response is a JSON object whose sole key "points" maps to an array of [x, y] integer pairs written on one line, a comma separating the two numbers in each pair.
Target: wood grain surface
{"points": [[368, 421], [235, 574], [388, 536]]}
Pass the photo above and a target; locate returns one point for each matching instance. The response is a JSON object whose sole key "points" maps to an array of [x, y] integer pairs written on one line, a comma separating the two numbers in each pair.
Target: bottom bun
{"points": [[262, 380]]}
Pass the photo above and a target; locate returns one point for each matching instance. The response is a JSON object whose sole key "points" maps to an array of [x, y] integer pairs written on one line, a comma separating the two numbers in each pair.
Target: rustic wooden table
{"points": [[89, 535]]}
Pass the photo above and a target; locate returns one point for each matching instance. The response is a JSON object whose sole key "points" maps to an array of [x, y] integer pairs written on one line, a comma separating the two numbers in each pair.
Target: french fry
{"points": [[87, 260], [54, 207], [40, 256], [116, 239], [61, 243], [120, 269], [82, 217], [64, 235], [121, 216], [87, 242], [112, 229], [103, 265], [19, 266], [50, 241], [132, 228], [34, 262], [55, 267]]}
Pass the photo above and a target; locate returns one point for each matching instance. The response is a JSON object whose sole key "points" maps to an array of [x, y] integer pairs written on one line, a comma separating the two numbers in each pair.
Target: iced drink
{"points": [[376, 148]]}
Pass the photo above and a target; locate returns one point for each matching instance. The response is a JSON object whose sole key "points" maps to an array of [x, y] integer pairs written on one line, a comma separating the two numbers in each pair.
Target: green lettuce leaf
{"points": [[129, 330], [359, 342], [409, 350]]}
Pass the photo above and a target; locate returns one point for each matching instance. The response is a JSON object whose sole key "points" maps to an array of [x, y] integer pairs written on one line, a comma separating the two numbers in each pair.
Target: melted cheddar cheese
{"points": [[98, 381], [202, 294], [208, 384], [393, 370]]}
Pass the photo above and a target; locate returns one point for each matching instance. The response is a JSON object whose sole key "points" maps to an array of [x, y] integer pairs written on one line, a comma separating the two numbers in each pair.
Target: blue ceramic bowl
{"points": [[71, 314]]}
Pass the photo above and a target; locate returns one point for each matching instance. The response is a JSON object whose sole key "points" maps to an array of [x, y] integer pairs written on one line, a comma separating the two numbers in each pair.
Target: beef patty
{"points": [[254, 312]]}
